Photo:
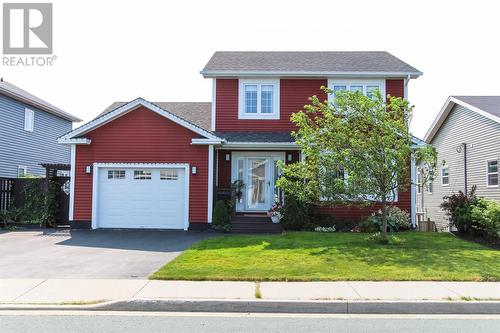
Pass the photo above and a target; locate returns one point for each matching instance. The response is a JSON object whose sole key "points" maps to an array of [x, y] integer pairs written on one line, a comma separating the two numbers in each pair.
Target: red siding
{"points": [[395, 88], [294, 94], [142, 136], [223, 169]]}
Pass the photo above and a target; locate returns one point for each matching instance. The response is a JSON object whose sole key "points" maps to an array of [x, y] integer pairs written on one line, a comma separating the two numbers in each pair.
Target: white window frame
{"points": [[29, 120], [24, 168], [332, 82], [430, 184], [146, 174], [491, 173], [276, 99], [445, 167], [117, 173]]}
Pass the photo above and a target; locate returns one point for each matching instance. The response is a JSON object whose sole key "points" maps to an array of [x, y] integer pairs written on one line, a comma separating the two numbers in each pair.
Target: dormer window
{"points": [[259, 99]]}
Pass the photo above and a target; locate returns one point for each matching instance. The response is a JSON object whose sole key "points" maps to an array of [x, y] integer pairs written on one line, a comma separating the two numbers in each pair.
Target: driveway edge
{"points": [[278, 306]]}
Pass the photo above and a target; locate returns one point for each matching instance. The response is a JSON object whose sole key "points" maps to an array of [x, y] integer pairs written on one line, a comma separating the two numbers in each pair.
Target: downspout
{"points": [[465, 167]]}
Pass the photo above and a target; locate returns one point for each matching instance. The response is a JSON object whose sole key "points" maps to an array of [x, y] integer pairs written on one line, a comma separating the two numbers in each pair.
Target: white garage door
{"points": [[141, 198]]}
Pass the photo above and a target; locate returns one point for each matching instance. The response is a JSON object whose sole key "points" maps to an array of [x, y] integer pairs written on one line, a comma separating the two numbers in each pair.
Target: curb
{"points": [[278, 306]]}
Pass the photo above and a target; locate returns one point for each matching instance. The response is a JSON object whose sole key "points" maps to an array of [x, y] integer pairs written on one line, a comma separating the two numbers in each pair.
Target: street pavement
{"points": [[89, 322]]}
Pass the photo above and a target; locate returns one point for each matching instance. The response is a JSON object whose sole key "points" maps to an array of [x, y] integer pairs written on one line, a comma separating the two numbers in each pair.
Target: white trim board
{"points": [[445, 111], [138, 102], [95, 182], [213, 74], [72, 182]]}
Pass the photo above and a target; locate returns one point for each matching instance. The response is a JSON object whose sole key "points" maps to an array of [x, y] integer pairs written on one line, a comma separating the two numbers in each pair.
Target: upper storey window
{"points": [[259, 99], [366, 87]]}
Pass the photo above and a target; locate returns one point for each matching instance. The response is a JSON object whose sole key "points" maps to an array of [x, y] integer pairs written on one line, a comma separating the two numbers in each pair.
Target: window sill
{"points": [[258, 117]]}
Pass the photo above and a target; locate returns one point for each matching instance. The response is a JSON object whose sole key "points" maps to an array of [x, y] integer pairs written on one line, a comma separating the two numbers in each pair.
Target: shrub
{"points": [[457, 208], [400, 218], [485, 217], [397, 220], [297, 215], [221, 217]]}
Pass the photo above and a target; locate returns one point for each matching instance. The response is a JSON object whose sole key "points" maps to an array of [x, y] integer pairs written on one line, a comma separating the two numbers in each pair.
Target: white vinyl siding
{"points": [[481, 135], [258, 99], [29, 120]]}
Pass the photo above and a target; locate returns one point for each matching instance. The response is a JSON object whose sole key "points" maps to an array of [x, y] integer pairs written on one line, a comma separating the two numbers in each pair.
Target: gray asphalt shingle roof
{"points": [[198, 113], [260, 137], [21, 95], [489, 104], [327, 62]]}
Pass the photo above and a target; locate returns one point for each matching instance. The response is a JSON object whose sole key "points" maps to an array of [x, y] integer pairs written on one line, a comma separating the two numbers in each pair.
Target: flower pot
{"points": [[275, 218]]}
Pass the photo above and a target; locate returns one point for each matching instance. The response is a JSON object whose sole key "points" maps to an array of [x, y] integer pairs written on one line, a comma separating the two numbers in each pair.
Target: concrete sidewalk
{"points": [[64, 291]]}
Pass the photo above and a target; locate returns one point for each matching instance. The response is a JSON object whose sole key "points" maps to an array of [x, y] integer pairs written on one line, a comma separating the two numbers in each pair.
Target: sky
{"points": [[118, 50]]}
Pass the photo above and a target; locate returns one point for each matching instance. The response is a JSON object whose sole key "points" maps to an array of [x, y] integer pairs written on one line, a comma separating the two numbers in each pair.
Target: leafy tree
{"points": [[357, 150]]}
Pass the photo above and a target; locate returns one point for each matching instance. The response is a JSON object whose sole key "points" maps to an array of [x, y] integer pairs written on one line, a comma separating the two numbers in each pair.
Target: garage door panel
{"points": [[125, 202]]}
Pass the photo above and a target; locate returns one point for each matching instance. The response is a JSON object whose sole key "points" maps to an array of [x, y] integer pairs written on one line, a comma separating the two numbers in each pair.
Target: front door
{"points": [[259, 183]]}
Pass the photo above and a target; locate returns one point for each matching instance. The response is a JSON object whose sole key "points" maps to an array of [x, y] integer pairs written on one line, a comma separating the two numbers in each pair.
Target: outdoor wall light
{"points": [[289, 157], [88, 169], [193, 170], [228, 157]]}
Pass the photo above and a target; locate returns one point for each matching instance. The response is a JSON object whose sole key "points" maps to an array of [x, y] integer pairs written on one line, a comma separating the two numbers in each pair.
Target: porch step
{"points": [[254, 225]]}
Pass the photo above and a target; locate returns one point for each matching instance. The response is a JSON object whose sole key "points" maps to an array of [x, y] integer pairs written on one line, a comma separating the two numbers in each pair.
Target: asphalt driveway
{"points": [[97, 254]]}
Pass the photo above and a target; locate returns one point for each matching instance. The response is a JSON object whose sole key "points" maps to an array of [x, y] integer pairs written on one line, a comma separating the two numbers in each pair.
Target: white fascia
{"points": [[214, 74], [74, 141], [130, 107]]}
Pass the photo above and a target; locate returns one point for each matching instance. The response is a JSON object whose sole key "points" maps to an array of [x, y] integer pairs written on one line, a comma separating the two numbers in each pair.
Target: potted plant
{"points": [[275, 213]]}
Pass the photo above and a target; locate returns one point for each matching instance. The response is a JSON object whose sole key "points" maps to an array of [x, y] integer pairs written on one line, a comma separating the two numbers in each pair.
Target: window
{"points": [[492, 173], [169, 174], [116, 174], [445, 176], [430, 187], [259, 99], [419, 182], [22, 171], [366, 87], [29, 120], [142, 174], [371, 90]]}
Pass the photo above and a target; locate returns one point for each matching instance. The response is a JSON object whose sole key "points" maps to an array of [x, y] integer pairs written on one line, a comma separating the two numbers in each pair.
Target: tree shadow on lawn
{"points": [[430, 254]]}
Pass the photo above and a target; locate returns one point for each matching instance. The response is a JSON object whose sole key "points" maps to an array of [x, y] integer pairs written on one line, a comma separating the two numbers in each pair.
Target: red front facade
{"points": [[146, 136], [294, 94], [141, 136]]}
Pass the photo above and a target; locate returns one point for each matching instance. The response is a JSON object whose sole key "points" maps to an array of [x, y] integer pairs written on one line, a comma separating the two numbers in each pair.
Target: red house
{"points": [[162, 165]]}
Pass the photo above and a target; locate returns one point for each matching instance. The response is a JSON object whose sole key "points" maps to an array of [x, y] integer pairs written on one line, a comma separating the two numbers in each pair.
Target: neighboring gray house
{"points": [[29, 128], [466, 135]]}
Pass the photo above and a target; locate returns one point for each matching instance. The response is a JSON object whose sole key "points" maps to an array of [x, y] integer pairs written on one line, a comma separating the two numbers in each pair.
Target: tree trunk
{"points": [[384, 219]]}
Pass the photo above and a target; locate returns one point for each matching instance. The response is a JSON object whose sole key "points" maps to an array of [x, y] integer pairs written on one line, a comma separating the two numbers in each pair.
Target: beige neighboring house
{"points": [[466, 135]]}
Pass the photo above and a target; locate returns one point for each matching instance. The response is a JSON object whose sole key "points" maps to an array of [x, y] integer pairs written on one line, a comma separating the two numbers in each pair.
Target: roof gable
{"points": [[487, 106], [308, 63], [197, 113], [12, 91], [74, 137]]}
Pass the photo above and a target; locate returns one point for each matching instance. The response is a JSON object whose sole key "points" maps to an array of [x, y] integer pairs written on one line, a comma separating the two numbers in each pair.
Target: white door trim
{"points": [[95, 182], [252, 154]]}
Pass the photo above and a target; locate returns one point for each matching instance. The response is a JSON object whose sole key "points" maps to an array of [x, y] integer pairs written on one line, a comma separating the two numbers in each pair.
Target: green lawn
{"points": [[307, 256]]}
